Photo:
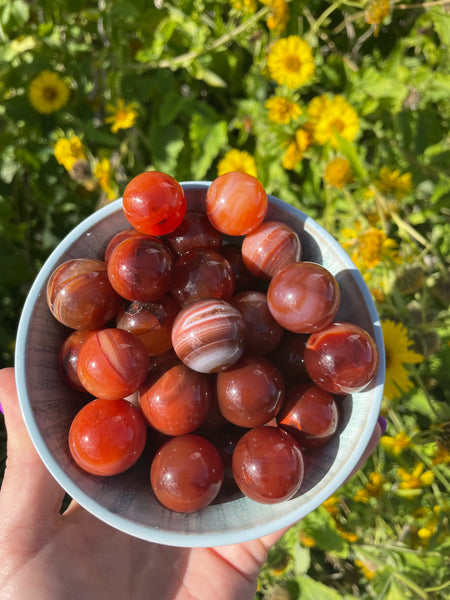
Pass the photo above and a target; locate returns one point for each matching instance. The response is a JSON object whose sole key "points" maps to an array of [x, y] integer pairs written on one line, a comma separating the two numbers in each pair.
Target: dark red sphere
{"points": [[309, 414], [303, 297], [186, 473], [342, 358], [140, 268], [268, 465]]}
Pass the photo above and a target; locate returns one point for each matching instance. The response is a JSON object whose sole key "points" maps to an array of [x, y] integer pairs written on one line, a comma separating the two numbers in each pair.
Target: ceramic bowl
{"points": [[126, 501]]}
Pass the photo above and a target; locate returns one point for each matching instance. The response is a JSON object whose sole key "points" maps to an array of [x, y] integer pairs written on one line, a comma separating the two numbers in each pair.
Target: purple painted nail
{"points": [[382, 423], [1, 409]]}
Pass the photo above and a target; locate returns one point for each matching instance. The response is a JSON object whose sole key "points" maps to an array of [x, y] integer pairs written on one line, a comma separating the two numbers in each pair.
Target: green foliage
{"points": [[194, 81]]}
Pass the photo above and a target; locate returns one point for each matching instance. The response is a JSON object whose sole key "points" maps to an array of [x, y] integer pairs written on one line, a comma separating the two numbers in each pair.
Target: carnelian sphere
{"points": [[151, 322], [107, 437], [341, 358], [186, 473], [176, 402], [309, 414], [140, 268], [154, 203], [263, 332], [303, 297], [112, 363], [209, 335], [201, 273], [268, 464], [68, 356], [251, 392], [236, 203], [195, 231], [269, 248], [80, 295]]}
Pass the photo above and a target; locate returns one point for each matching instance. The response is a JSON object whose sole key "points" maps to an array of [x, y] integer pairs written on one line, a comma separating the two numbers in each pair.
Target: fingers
{"points": [[29, 494]]}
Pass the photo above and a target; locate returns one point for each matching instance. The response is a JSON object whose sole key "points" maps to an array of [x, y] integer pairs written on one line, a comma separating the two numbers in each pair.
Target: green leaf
{"points": [[349, 151], [208, 135], [314, 590], [321, 527], [167, 142]]}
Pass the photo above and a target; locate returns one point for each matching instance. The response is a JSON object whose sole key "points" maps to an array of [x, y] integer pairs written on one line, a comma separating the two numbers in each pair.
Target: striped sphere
{"points": [[209, 335]]}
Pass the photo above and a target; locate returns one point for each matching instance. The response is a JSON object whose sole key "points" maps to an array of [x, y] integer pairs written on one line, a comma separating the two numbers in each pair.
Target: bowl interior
{"points": [[126, 501]]}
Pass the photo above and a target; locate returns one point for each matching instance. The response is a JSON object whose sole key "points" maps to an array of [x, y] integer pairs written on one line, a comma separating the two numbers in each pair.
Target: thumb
{"points": [[29, 495]]}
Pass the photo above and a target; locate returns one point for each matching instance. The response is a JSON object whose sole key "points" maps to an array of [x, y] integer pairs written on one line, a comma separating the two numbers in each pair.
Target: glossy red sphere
{"points": [[107, 437], [154, 203], [288, 356], [80, 295], [68, 357], [303, 297], [209, 335], [116, 239], [251, 392], [140, 268], [309, 414], [186, 473], [263, 331], [195, 231], [176, 402], [243, 279], [268, 465], [236, 203], [341, 358], [151, 322], [269, 248], [112, 363], [201, 273]]}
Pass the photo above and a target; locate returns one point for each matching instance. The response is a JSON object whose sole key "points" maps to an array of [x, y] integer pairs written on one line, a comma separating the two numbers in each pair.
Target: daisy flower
{"points": [[123, 116], [398, 352], [237, 160], [48, 92], [329, 116], [338, 172], [282, 110], [68, 151], [291, 62]]}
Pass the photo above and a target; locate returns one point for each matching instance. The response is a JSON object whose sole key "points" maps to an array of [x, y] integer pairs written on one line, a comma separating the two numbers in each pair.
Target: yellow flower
{"points": [[376, 12], [278, 15], [68, 150], [417, 479], [291, 62], [396, 444], [366, 568], [306, 540], [282, 110], [398, 353], [102, 172], [123, 116], [237, 160], [394, 183], [372, 489], [329, 116], [330, 505], [48, 92], [338, 172], [346, 535], [370, 247], [296, 149], [246, 6]]}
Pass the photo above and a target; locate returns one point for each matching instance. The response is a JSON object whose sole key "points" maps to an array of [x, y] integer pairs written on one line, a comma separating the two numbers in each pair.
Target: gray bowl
{"points": [[126, 501]]}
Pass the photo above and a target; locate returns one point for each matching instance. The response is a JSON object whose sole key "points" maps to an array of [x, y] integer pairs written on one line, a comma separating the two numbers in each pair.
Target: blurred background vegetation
{"points": [[341, 108]]}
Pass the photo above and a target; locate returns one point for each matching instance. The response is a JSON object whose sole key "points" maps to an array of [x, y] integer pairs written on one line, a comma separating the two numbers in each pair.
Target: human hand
{"points": [[46, 555]]}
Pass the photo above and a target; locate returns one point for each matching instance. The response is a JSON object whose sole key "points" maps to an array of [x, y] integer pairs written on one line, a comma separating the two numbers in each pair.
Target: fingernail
{"points": [[1, 409], [382, 423]]}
